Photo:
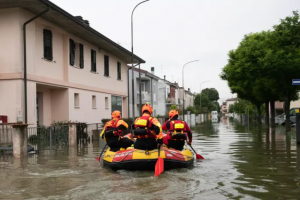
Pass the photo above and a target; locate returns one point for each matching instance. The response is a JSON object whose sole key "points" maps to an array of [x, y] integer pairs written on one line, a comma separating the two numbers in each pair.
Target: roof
{"points": [[232, 99], [73, 25], [145, 72]]}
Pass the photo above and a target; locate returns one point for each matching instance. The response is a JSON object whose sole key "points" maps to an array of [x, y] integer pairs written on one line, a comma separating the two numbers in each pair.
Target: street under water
{"points": [[259, 164]]}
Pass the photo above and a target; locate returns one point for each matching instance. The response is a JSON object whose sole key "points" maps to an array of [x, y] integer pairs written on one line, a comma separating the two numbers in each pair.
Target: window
{"points": [[119, 71], [48, 44], [72, 48], [106, 102], [81, 60], [116, 103], [93, 61], [106, 65], [76, 99], [94, 102]]}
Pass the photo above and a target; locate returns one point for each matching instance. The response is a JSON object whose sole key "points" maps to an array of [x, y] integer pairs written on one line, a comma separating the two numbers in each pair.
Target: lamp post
{"points": [[183, 84], [132, 69]]}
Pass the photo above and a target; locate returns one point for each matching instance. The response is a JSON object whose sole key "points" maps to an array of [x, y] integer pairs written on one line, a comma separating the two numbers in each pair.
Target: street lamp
{"points": [[132, 68], [183, 84], [200, 92]]}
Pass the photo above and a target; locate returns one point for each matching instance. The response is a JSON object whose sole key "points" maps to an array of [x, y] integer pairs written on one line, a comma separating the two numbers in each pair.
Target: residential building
{"points": [[188, 98], [167, 96], [73, 72], [149, 90], [224, 107], [229, 102]]}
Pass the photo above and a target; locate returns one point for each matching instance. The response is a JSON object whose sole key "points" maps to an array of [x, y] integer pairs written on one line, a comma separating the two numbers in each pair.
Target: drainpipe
{"points": [[152, 92], [128, 93], [140, 90], [25, 61]]}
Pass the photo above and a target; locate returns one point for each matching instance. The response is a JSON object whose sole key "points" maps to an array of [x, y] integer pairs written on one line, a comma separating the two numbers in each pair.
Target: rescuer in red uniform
{"points": [[178, 132]]}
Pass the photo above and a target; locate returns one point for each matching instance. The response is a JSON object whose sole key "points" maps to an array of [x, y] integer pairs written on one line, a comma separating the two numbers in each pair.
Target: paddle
{"points": [[101, 153], [198, 156], [159, 166]]}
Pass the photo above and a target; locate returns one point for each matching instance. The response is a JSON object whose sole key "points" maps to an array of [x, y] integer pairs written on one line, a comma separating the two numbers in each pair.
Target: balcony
{"points": [[170, 101], [146, 96]]}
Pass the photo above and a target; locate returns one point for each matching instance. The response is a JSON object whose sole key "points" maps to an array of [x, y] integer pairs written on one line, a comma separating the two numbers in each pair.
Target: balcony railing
{"points": [[171, 101], [145, 96]]}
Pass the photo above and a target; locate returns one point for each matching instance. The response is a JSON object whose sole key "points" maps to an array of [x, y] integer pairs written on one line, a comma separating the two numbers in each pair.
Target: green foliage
{"points": [[173, 107], [263, 65], [211, 93], [206, 105], [191, 109]]}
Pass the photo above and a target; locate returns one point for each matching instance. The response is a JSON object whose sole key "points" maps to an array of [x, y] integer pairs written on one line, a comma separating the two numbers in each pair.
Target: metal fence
{"points": [[48, 138], [5, 135]]}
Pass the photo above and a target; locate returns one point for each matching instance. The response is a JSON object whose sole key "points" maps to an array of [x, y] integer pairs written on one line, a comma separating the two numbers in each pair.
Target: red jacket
{"points": [[166, 127]]}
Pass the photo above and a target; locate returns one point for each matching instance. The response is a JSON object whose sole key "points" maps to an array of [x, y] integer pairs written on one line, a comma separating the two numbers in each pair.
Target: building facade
{"points": [[149, 90], [188, 98], [73, 72], [167, 95]]}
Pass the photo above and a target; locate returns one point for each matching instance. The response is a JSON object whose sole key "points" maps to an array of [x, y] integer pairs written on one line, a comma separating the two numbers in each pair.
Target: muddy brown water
{"points": [[259, 164]]}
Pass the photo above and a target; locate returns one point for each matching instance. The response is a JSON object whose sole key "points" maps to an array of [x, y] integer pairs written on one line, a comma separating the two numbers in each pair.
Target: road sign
{"points": [[296, 82]]}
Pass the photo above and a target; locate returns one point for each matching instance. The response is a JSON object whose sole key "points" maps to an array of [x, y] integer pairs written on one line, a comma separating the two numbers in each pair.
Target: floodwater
{"points": [[259, 164]]}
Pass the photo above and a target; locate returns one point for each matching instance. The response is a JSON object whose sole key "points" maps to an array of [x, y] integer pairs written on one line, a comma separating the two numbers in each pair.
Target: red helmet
{"points": [[147, 107], [116, 114], [172, 113]]}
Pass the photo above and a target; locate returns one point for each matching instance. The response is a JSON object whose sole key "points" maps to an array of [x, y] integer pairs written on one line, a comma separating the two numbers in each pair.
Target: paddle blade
{"points": [[159, 166], [198, 156], [98, 159]]}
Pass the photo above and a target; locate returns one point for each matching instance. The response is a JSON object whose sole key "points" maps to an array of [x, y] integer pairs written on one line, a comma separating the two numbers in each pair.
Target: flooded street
{"points": [[260, 164]]}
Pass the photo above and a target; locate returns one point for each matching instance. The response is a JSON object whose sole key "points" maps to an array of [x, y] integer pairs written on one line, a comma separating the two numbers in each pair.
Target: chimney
{"points": [[85, 22], [164, 77], [152, 70], [189, 89]]}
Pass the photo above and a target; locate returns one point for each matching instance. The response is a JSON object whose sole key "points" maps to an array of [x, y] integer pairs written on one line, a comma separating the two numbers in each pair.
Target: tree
{"points": [[211, 93], [206, 104], [261, 68], [285, 58], [231, 108], [191, 109], [173, 107]]}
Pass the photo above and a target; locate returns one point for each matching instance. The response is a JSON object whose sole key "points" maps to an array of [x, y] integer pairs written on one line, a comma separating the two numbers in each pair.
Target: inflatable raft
{"points": [[135, 159]]}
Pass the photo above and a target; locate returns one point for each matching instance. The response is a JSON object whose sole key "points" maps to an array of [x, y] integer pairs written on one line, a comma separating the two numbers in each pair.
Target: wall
{"points": [[11, 99], [162, 93], [59, 104], [11, 41], [153, 94], [85, 112]]}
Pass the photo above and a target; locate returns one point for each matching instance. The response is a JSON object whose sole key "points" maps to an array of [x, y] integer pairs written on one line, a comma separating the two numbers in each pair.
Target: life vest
{"points": [[143, 128], [177, 130], [112, 130]]}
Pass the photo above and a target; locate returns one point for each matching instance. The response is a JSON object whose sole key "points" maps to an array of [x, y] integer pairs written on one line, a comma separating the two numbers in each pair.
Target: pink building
{"points": [[73, 71]]}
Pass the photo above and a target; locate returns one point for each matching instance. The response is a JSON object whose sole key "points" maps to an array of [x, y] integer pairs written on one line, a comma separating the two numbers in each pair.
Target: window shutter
{"points": [[106, 65], [119, 71], [93, 60], [81, 60], [47, 44], [72, 52]]}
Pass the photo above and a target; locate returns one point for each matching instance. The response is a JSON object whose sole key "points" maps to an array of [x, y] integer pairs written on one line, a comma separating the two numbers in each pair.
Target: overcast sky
{"points": [[169, 33]]}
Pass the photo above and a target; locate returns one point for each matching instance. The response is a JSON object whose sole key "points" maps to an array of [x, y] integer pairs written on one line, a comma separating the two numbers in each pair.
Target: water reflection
{"points": [[260, 164]]}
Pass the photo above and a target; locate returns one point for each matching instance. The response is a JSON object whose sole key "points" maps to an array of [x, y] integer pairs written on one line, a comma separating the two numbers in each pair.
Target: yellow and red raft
{"points": [[135, 159]]}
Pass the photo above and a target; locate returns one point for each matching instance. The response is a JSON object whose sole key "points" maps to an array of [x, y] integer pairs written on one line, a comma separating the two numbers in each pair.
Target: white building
{"points": [[167, 95]]}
